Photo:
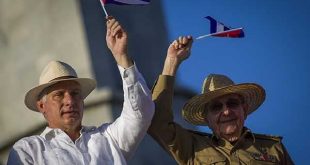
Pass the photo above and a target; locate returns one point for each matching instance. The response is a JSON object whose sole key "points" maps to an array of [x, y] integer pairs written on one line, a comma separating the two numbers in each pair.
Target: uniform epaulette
{"points": [[268, 137], [200, 133]]}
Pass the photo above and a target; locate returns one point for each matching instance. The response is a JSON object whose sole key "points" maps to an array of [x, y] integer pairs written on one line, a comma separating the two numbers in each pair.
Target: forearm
{"points": [[171, 136], [124, 61], [163, 128], [171, 66], [137, 96], [138, 109]]}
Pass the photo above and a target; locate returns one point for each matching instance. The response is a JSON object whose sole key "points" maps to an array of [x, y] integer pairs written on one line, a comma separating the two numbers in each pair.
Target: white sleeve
{"points": [[138, 109]]}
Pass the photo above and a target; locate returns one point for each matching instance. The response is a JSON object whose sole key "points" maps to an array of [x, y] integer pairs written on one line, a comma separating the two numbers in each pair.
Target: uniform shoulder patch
{"points": [[268, 137]]}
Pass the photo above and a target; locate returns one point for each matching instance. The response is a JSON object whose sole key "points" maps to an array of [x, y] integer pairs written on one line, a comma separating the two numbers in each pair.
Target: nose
{"points": [[68, 99], [226, 110]]}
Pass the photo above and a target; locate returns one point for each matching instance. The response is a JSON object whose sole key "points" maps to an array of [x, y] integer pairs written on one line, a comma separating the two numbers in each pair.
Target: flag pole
{"points": [[203, 36], [218, 33], [105, 11]]}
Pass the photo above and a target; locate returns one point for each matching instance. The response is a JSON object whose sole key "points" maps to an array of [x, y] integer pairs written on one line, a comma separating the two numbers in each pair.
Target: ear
{"points": [[40, 106]]}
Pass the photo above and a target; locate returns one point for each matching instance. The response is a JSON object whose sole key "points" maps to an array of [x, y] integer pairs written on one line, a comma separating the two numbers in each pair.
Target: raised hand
{"points": [[117, 42], [180, 48], [178, 51]]}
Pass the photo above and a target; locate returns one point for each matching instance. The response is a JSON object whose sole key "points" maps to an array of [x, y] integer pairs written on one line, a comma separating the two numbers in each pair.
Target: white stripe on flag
{"points": [[219, 27]]}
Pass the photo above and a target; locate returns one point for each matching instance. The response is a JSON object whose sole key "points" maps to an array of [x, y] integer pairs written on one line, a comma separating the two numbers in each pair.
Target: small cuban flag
{"points": [[123, 2], [218, 29]]}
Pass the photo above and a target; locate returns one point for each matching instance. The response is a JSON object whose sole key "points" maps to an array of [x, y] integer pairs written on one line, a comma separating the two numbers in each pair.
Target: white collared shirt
{"points": [[111, 143]]}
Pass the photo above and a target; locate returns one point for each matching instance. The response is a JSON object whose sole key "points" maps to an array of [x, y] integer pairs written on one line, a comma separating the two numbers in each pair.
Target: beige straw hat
{"points": [[54, 72], [219, 85]]}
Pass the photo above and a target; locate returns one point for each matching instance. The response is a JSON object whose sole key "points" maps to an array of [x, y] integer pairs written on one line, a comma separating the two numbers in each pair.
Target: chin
{"points": [[72, 121], [231, 129], [232, 132]]}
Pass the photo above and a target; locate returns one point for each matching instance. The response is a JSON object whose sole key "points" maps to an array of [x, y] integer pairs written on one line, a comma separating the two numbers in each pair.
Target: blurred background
{"points": [[274, 53]]}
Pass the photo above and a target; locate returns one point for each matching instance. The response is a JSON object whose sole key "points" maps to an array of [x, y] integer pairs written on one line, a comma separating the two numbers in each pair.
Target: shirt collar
{"points": [[86, 129], [50, 133]]}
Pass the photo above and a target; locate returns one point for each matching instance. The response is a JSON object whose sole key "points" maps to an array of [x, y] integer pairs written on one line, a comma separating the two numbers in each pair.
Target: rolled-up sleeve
{"points": [[138, 109]]}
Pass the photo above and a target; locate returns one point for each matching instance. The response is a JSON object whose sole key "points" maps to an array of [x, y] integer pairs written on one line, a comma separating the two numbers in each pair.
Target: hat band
{"points": [[62, 77]]}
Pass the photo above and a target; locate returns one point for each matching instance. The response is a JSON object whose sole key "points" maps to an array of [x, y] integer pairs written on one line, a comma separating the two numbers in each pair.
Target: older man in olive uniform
{"points": [[223, 106]]}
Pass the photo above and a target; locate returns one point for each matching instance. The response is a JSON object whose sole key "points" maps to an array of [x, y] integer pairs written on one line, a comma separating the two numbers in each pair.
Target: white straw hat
{"points": [[54, 72]]}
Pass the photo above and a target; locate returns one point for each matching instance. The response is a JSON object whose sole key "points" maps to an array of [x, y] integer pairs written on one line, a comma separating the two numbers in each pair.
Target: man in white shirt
{"points": [[60, 98]]}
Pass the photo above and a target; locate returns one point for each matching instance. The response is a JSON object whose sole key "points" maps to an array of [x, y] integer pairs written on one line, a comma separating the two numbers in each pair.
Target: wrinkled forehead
{"points": [[61, 85]]}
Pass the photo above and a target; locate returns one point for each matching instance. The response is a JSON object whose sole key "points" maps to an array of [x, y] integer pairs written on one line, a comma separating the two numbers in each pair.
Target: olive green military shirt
{"points": [[190, 147]]}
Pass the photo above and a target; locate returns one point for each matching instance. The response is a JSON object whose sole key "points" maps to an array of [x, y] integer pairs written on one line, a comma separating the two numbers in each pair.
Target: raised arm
{"points": [[138, 108], [163, 129]]}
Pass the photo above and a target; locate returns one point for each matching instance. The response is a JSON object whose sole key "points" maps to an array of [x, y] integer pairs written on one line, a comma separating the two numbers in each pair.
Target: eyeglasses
{"points": [[217, 106]]}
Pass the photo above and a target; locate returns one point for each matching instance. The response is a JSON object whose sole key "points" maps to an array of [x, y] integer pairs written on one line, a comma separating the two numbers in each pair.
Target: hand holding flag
{"points": [[218, 29], [178, 51], [117, 42]]}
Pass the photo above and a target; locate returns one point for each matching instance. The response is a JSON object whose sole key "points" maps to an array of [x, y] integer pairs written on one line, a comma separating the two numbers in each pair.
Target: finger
{"points": [[180, 39], [116, 30], [110, 23], [114, 25], [179, 42], [108, 32], [190, 38], [175, 44], [108, 18], [184, 40], [181, 45]]}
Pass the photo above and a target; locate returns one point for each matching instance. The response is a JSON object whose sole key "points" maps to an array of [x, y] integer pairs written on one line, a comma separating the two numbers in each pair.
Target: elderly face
{"points": [[62, 106], [226, 116]]}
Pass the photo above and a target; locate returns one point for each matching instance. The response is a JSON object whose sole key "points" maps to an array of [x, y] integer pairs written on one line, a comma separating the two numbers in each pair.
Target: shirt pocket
{"points": [[210, 159]]}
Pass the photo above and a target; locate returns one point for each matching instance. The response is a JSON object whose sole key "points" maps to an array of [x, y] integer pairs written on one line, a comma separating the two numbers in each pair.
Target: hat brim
{"points": [[31, 97], [193, 110]]}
